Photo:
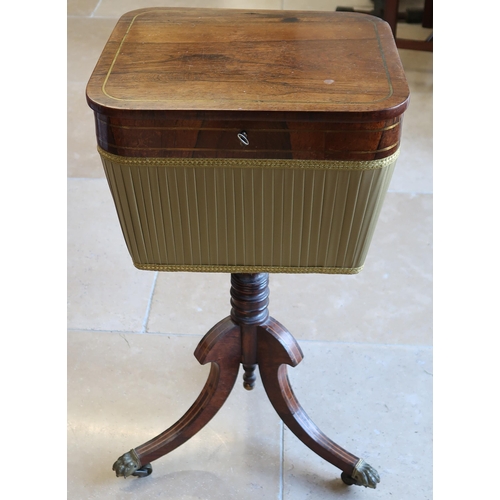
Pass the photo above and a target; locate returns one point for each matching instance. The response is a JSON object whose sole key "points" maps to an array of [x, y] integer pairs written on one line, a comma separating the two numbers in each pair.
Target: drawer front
{"points": [[234, 215], [265, 140]]}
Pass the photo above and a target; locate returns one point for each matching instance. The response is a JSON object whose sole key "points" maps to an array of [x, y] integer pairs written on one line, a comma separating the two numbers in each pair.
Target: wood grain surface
{"points": [[300, 140], [254, 61], [222, 347]]}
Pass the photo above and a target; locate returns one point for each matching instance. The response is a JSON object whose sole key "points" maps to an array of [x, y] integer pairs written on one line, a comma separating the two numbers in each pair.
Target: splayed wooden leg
{"points": [[222, 347], [276, 349]]}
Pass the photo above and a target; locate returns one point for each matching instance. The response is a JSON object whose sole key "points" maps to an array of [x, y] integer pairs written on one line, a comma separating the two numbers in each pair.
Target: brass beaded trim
{"points": [[247, 269], [251, 163]]}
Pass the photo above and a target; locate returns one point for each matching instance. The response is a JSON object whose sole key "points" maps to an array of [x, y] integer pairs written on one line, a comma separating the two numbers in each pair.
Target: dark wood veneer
{"points": [[184, 82], [218, 139]]}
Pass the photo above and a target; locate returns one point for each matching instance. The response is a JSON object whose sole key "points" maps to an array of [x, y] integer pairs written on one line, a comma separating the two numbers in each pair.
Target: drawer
{"points": [[274, 140]]}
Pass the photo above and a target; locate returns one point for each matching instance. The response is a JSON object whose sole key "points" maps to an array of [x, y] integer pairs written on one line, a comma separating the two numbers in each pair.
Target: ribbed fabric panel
{"points": [[229, 216]]}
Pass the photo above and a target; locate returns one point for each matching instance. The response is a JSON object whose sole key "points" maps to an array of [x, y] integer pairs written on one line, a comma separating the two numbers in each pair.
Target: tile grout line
{"points": [[148, 308], [131, 332], [175, 334], [373, 344], [95, 8], [282, 458]]}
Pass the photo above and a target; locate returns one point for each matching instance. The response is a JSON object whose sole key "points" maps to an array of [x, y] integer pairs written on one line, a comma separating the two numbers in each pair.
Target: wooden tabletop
{"points": [[175, 59]]}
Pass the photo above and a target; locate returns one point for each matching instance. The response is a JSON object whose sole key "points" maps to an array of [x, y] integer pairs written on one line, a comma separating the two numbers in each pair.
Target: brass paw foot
{"points": [[127, 464], [363, 475]]}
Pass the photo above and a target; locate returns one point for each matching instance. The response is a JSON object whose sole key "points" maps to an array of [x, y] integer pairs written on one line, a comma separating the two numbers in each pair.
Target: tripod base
{"points": [[249, 337]]}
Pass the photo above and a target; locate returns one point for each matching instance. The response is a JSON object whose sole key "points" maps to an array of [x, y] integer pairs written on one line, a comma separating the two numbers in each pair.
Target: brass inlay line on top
{"points": [[252, 163], [248, 129], [382, 55]]}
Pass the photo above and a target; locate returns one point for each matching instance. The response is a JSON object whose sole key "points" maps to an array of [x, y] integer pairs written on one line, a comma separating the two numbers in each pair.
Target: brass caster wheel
{"points": [[347, 479], [143, 471]]}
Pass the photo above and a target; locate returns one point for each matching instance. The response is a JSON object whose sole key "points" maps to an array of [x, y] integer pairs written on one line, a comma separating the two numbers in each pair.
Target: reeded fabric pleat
{"points": [[226, 216]]}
